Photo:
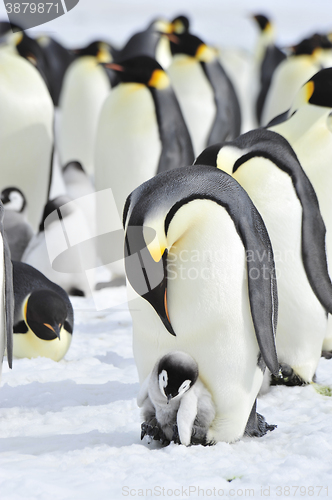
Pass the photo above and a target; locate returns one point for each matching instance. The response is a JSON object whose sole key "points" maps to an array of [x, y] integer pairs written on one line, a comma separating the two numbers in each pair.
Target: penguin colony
{"points": [[224, 187]]}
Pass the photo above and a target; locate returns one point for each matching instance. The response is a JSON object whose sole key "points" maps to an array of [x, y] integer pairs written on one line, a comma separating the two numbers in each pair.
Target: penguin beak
{"points": [[114, 67], [56, 329], [172, 38], [147, 276], [169, 397]]}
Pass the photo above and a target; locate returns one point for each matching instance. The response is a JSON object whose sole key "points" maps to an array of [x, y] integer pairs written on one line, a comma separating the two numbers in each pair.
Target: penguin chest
{"points": [[28, 345], [128, 144], [86, 86], [196, 98]]}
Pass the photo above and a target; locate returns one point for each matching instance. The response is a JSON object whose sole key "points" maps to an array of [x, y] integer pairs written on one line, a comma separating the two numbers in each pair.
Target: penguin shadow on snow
{"points": [[67, 442], [56, 396], [112, 358]]}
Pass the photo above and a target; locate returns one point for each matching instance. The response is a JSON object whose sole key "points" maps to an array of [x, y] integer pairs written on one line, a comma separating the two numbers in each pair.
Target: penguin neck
{"points": [[305, 118], [177, 148]]}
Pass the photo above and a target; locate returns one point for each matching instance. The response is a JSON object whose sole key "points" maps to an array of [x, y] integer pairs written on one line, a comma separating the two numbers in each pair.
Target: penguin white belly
{"points": [[209, 310], [301, 317], [26, 132], [28, 345], [84, 91], [196, 98], [36, 254], [287, 79], [128, 148], [309, 133], [3, 337]]}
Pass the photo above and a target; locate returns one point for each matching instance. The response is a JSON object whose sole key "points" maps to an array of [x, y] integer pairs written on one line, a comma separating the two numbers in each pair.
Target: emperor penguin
{"points": [[206, 94], [26, 128], [268, 57], [191, 288], [57, 60], [176, 405], [289, 77], [7, 299], [307, 126], [44, 318], [141, 132], [63, 249], [152, 42], [85, 88], [266, 166], [17, 228]]}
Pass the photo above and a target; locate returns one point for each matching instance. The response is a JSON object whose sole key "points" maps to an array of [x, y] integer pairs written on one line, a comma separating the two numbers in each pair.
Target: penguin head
{"points": [[102, 51], [192, 46], [180, 24], [10, 34], [141, 69], [177, 373], [13, 199], [160, 25], [45, 313], [317, 91]]}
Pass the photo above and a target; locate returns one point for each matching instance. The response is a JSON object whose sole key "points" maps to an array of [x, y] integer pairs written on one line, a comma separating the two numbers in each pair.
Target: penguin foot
{"points": [[198, 435], [152, 429], [260, 427], [327, 354], [287, 376]]}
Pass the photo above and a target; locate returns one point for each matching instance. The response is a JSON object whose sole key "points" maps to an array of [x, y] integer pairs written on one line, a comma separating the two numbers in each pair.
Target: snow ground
{"points": [[71, 430]]}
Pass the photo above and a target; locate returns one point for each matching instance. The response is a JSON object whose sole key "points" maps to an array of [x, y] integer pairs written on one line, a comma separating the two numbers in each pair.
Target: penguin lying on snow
{"points": [[176, 404], [44, 318], [58, 258], [191, 288], [266, 166], [18, 230]]}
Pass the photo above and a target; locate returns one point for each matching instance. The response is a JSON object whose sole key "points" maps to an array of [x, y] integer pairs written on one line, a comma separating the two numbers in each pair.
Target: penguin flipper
{"points": [[256, 425], [9, 303]]}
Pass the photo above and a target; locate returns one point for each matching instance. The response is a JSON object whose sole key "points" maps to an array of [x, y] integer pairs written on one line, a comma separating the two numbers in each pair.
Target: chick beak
{"points": [[169, 397]]}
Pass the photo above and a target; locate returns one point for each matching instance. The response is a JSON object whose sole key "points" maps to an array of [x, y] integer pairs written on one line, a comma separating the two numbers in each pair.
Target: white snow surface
{"points": [[71, 430]]}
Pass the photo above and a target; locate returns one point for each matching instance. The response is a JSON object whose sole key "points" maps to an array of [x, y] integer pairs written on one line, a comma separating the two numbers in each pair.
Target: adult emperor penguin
{"points": [[7, 299], [308, 128], [268, 56], [18, 230], [191, 288], [26, 128], [176, 406], [57, 60], [152, 42], [44, 318], [266, 166], [63, 249], [141, 132], [289, 77], [206, 94], [84, 90]]}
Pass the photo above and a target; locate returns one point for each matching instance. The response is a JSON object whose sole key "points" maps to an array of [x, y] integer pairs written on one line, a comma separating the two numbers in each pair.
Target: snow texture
{"points": [[71, 430]]}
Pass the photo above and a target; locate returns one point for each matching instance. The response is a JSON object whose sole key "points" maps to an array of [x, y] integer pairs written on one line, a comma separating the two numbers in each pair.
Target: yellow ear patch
{"points": [[156, 251], [309, 90], [159, 79], [103, 55], [205, 53]]}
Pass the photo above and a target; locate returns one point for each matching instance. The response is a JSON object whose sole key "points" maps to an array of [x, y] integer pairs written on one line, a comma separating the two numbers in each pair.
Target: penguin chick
{"points": [[18, 230], [175, 396], [43, 317]]}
